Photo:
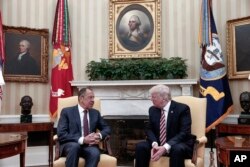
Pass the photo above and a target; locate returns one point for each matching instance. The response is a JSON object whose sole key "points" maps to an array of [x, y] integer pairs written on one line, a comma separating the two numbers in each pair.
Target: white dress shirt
{"points": [[81, 113], [166, 110]]}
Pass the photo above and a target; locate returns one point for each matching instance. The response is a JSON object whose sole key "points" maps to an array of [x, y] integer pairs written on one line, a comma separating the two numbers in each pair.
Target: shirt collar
{"points": [[166, 107], [80, 108], [21, 55]]}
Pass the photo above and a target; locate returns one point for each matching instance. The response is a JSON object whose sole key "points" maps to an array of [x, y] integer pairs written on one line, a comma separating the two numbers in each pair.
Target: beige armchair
{"points": [[198, 114], [105, 159]]}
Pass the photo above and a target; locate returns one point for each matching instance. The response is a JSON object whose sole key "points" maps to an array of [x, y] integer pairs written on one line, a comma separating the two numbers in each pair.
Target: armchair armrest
{"points": [[200, 141], [106, 145], [55, 139]]}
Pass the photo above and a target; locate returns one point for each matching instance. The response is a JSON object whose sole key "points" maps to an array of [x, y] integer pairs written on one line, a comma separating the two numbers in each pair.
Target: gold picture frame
{"points": [[238, 50], [127, 15], [32, 65]]}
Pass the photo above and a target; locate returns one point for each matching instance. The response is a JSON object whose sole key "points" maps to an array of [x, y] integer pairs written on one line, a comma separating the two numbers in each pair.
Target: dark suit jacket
{"points": [[69, 125], [178, 125], [26, 66]]}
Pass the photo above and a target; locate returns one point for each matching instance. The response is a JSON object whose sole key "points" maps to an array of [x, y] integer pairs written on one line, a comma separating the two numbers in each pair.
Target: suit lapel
{"points": [[171, 113], [90, 118], [77, 118]]}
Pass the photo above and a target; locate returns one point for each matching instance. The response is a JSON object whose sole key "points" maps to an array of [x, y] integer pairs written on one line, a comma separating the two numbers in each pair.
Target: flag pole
{"points": [[211, 153], [2, 60]]}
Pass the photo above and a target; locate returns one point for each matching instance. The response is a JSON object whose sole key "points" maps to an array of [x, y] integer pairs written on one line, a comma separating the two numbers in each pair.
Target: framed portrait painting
{"points": [[134, 29], [238, 48], [26, 51]]}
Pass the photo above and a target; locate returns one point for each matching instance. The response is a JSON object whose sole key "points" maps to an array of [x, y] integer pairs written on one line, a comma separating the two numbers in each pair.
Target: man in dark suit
{"points": [[78, 137], [174, 139]]}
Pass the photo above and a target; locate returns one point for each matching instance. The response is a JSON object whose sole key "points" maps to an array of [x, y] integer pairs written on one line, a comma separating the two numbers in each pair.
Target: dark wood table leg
{"points": [[51, 148], [22, 159], [217, 157]]}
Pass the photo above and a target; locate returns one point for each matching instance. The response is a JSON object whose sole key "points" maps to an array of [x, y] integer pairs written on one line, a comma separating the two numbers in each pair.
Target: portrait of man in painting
{"points": [[238, 49], [22, 54], [242, 47], [134, 27]]}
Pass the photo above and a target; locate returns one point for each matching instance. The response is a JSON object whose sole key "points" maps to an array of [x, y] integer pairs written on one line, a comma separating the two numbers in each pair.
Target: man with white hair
{"points": [[135, 33], [23, 63], [136, 38], [168, 132]]}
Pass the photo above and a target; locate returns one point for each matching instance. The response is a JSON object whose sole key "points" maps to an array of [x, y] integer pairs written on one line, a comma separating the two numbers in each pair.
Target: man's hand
{"points": [[97, 138], [157, 152], [92, 139]]}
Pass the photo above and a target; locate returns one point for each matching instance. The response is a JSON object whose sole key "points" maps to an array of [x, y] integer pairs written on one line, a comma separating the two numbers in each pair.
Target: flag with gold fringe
{"points": [[213, 76], [62, 72], [2, 59]]}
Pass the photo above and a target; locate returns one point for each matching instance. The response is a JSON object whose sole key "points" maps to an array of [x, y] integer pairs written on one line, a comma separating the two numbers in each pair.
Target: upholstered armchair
{"points": [[198, 114], [106, 160]]}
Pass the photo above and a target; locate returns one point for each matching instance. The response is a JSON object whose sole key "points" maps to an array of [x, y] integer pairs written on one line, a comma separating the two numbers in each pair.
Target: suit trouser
{"points": [[178, 154], [73, 151]]}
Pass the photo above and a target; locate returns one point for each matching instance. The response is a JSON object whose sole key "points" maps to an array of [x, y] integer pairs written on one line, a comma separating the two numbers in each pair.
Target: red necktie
{"points": [[162, 128], [85, 123]]}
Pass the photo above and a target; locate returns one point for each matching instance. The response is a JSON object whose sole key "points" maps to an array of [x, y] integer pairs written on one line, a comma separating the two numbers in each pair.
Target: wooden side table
{"points": [[224, 145], [227, 129], [13, 144], [33, 127], [232, 129]]}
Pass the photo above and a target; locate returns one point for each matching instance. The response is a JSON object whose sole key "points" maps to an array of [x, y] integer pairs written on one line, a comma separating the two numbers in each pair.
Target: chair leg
{"points": [[212, 164]]}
